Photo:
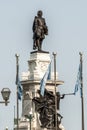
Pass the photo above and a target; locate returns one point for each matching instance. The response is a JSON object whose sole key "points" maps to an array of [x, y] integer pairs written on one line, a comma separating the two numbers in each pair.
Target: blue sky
{"points": [[67, 25]]}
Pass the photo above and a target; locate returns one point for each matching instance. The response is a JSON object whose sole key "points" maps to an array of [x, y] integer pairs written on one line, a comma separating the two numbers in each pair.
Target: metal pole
{"points": [[30, 122], [17, 74], [30, 119], [14, 117], [82, 96], [69, 94], [54, 54]]}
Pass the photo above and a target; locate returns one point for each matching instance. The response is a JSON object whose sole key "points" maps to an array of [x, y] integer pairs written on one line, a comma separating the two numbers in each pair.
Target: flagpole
{"points": [[54, 54], [17, 74], [82, 96], [14, 116]]}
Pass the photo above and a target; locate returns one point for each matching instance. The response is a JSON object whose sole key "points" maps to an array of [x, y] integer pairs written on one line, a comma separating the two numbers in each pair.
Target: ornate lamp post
{"points": [[6, 128], [29, 117], [5, 94]]}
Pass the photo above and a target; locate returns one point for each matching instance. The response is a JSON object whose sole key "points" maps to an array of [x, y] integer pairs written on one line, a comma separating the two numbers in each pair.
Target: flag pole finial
{"points": [[16, 55], [80, 53]]}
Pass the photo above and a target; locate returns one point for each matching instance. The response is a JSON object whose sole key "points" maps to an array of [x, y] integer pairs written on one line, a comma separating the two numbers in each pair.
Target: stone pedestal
{"points": [[38, 64]]}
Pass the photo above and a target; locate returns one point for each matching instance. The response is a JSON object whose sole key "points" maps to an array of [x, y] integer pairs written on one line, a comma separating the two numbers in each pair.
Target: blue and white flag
{"points": [[18, 83], [20, 91], [49, 74], [78, 82], [44, 79]]}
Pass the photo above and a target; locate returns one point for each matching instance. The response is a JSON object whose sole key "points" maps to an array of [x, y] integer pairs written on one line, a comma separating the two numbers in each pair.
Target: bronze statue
{"points": [[45, 106], [39, 31]]}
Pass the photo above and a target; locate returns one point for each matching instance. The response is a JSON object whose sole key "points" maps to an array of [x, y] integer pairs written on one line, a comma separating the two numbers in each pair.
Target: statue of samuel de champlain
{"points": [[39, 31]]}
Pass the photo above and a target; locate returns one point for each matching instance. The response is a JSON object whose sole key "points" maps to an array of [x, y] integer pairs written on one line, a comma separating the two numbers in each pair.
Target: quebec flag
{"points": [[78, 82], [19, 87], [20, 91], [18, 83], [44, 79]]}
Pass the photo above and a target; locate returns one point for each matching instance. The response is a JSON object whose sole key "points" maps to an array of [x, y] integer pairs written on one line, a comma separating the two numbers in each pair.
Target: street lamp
{"points": [[29, 117], [6, 128], [5, 94]]}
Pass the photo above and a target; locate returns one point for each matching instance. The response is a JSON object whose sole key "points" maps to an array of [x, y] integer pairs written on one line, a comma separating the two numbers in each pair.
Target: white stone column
{"points": [[38, 64]]}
